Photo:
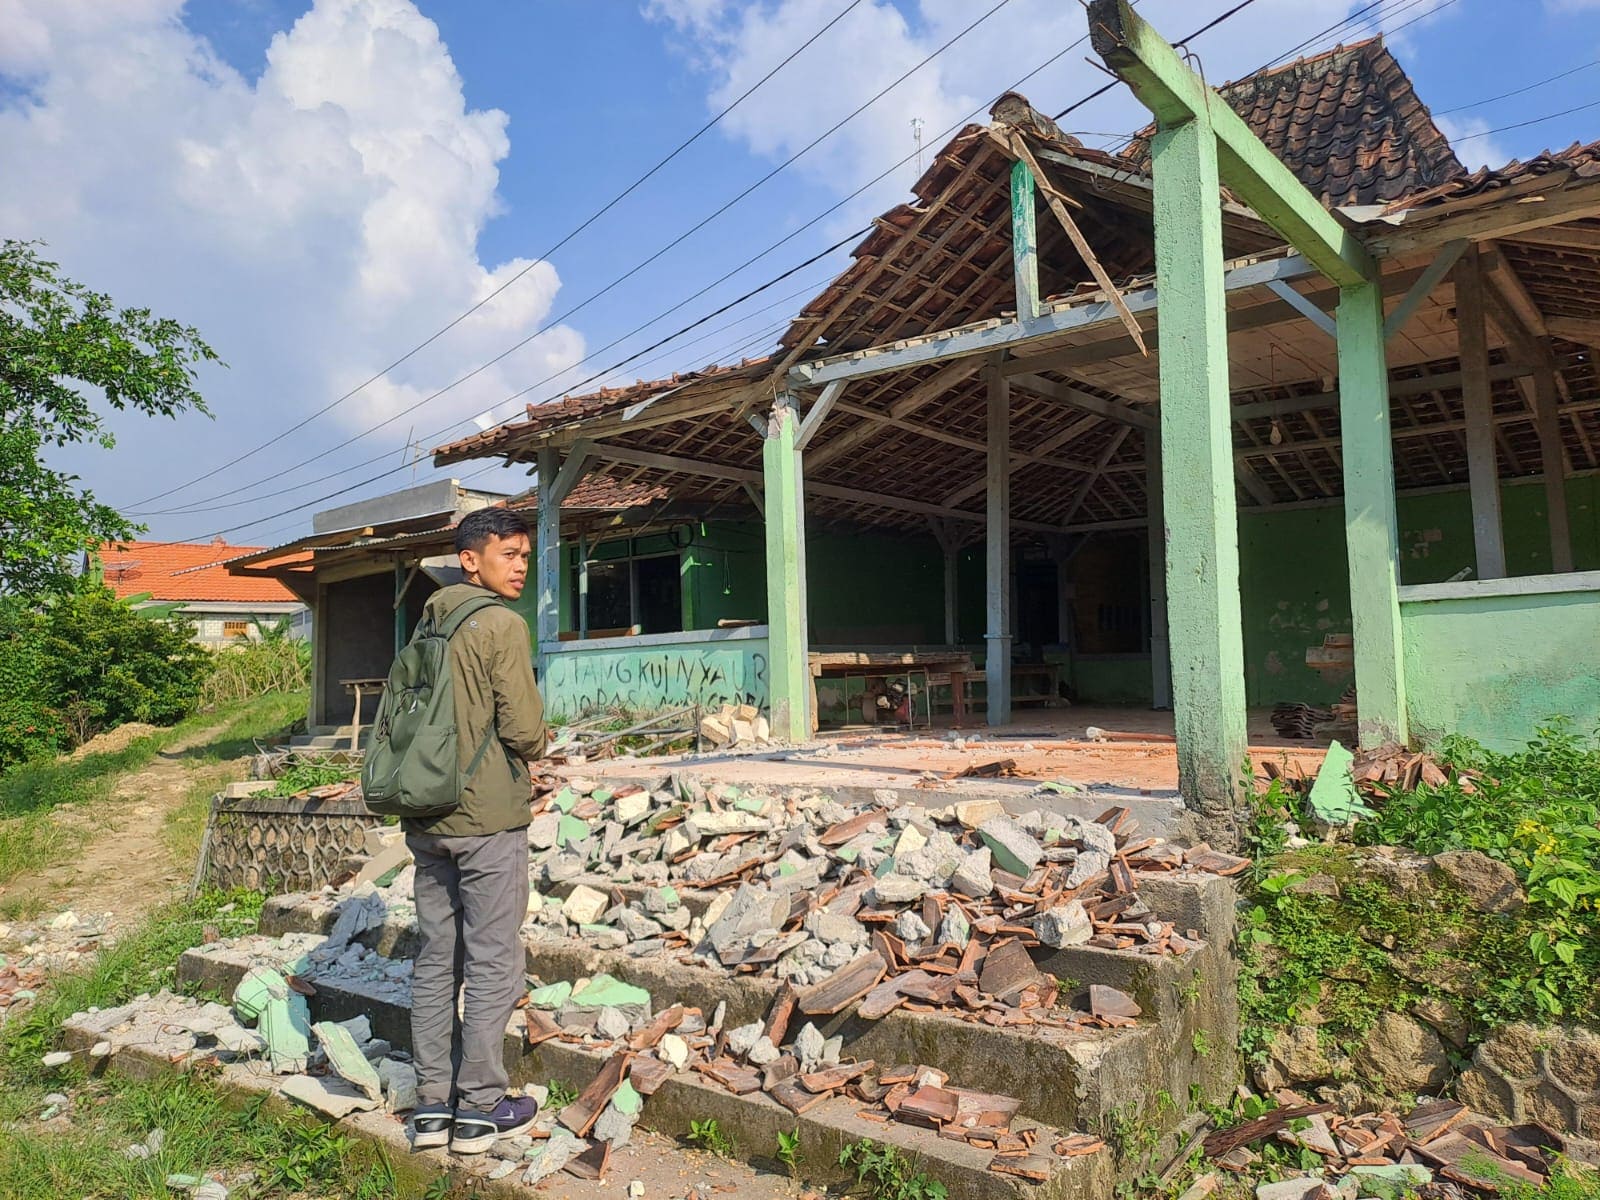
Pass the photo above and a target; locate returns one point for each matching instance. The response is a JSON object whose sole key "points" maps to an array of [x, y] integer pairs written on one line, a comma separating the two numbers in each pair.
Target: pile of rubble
{"points": [[30, 953], [1441, 1150], [735, 726], [788, 1059], [904, 905]]}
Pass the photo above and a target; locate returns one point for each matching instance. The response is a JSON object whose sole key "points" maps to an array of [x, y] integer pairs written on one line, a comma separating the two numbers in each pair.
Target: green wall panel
{"points": [[1496, 667]]}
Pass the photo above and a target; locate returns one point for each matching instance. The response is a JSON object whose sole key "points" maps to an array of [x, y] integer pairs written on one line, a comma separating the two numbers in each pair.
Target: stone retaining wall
{"points": [[1549, 1074]]}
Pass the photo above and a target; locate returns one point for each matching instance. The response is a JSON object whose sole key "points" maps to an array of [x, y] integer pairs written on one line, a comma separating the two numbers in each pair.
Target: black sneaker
{"points": [[431, 1126], [475, 1132]]}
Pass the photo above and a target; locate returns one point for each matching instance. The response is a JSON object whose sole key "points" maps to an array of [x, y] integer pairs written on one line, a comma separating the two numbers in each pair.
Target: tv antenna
{"points": [[916, 135]]}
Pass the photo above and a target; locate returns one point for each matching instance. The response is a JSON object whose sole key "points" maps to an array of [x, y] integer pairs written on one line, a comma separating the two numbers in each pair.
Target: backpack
{"points": [[412, 767]]}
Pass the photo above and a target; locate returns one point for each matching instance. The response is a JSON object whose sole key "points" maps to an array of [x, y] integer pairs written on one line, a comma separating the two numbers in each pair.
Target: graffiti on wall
{"points": [[656, 677]]}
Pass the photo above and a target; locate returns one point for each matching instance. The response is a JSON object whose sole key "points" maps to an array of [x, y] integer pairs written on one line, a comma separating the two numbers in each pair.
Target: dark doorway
{"points": [[660, 594], [1038, 613]]}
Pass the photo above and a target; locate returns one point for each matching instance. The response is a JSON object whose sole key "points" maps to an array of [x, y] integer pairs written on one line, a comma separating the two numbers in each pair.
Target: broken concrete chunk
{"points": [[585, 905], [661, 900], [703, 825], [674, 1050], [612, 1024], [898, 889], [552, 996], [636, 925], [327, 1094], [955, 929], [909, 927], [542, 830], [752, 910], [972, 877], [1013, 848], [552, 1155], [808, 1047], [345, 1057], [831, 927], [633, 808], [399, 1082], [605, 992], [1067, 925], [740, 1040], [762, 1052], [911, 839]]}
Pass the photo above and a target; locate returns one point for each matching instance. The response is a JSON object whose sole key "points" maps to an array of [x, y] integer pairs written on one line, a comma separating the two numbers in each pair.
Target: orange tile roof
{"points": [[132, 568]]}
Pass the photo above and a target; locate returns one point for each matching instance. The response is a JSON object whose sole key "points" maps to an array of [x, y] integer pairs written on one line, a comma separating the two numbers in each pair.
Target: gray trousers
{"points": [[472, 898]]}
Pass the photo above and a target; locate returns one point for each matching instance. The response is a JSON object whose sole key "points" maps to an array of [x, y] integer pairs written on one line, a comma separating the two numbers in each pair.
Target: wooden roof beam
{"points": [[1169, 89]]}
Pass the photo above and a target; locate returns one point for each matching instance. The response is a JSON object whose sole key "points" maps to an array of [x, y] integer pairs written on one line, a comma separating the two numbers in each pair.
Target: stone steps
{"points": [[753, 1121], [1092, 1079]]}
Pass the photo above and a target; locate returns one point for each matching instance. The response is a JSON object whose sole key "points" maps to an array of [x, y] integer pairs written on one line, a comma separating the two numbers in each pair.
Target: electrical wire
{"points": [[1519, 91], [587, 222], [1237, 8]]}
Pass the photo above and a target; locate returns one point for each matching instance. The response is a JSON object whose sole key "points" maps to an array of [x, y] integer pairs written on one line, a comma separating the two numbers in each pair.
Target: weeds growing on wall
{"points": [[1369, 949], [1537, 812]]}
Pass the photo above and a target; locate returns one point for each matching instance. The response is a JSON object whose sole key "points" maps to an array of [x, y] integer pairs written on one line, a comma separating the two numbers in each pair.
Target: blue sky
{"points": [[321, 186]]}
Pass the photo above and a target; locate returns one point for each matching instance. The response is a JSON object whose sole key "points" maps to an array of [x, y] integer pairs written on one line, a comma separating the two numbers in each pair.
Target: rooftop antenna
{"points": [[916, 134], [413, 449]]}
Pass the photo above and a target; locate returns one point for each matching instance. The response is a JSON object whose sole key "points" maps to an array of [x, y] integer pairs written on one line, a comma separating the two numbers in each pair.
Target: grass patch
{"points": [[143, 960], [30, 795], [207, 1128]]}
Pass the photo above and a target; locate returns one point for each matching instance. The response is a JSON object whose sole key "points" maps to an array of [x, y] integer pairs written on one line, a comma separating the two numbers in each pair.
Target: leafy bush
{"points": [[1536, 811], [85, 662]]}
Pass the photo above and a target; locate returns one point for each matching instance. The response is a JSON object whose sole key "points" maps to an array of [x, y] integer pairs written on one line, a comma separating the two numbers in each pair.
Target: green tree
{"points": [[62, 347]]}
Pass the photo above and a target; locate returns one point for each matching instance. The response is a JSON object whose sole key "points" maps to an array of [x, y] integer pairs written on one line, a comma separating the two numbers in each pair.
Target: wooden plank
{"points": [[1007, 970], [795, 1098], [818, 413], [1019, 147], [582, 1113], [844, 987], [648, 1074], [1024, 242], [931, 1106], [1304, 306], [1422, 288]]}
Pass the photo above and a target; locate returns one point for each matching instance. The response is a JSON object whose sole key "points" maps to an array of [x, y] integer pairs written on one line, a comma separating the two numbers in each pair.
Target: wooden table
{"points": [[358, 686], [1049, 672], [952, 664]]}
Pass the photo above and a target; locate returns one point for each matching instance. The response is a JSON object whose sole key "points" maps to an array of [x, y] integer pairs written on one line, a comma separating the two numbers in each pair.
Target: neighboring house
{"points": [[224, 608]]}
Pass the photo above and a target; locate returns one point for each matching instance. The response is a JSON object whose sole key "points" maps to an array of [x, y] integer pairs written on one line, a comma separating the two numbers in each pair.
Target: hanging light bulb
{"points": [[1276, 436]]}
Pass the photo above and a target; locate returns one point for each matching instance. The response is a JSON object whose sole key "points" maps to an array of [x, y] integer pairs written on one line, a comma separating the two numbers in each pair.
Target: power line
{"points": [[588, 221], [614, 367], [631, 271], [1532, 121], [1518, 91], [211, 503], [1048, 62]]}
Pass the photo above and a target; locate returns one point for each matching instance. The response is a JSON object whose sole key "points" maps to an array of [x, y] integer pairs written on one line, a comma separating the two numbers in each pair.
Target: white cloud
{"points": [[735, 44], [1472, 147], [313, 224]]}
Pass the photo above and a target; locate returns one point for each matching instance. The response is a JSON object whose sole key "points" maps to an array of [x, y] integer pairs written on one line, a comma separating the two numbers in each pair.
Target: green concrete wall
{"points": [[1496, 667], [659, 675]]}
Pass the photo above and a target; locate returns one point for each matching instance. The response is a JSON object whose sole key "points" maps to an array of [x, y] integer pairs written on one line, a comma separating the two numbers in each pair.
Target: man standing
{"points": [[472, 863]]}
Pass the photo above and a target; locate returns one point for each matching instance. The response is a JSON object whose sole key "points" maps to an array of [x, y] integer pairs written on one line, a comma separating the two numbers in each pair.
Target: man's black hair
{"points": [[476, 528]]}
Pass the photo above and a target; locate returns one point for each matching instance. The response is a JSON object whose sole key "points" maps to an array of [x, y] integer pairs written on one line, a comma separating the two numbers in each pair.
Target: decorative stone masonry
{"points": [[1549, 1074]]}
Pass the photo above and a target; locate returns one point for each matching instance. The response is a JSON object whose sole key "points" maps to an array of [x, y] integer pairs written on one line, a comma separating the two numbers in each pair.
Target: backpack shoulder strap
{"points": [[458, 617]]}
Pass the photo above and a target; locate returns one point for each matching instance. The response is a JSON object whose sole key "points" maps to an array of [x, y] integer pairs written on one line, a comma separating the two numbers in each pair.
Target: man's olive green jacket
{"points": [[491, 666]]}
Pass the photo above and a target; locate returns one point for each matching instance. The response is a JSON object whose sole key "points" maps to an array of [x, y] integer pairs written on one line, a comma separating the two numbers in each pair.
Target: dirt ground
{"points": [[125, 866]]}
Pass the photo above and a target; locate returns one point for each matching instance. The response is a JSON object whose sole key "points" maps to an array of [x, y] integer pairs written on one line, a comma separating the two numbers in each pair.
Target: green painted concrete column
{"points": [[547, 556], [1371, 530], [788, 668], [997, 552], [1156, 548], [399, 606], [1205, 625]]}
